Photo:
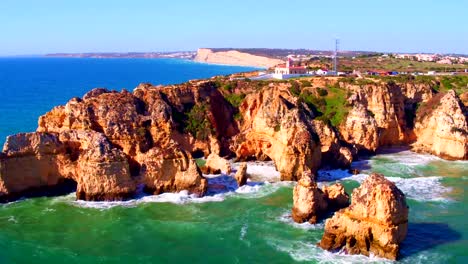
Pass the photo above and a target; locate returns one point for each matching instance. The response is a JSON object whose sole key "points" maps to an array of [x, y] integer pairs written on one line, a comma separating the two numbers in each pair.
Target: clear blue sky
{"points": [[47, 26]]}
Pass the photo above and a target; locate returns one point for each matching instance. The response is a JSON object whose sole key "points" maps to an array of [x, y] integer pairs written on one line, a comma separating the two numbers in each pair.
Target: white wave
{"points": [[416, 188], [410, 158], [243, 231], [287, 219], [306, 251], [219, 188], [12, 219], [260, 170]]}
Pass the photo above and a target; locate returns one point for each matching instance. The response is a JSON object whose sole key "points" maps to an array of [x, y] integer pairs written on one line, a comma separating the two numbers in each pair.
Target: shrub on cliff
{"points": [[197, 123], [235, 99]]}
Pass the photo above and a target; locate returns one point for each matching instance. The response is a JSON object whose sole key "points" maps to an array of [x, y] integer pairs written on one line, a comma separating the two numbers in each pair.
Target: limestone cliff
{"points": [[441, 127], [234, 57], [275, 127]]}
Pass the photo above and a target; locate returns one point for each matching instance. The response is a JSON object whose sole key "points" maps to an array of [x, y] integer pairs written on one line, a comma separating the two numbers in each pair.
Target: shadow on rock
{"points": [[425, 236]]}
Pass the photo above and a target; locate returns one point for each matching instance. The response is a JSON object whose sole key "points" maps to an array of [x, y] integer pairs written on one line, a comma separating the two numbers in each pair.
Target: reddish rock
{"points": [[336, 196], [376, 221], [241, 174], [309, 201]]}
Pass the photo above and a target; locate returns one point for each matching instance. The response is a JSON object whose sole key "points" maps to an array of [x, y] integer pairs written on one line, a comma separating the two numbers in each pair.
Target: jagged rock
{"points": [[309, 201], [101, 171], [29, 164], [171, 170], [360, 129], [441, 127], [333, 154], [275, 127], [336, 196], [241, 174], [376, 221], [215, 164]]}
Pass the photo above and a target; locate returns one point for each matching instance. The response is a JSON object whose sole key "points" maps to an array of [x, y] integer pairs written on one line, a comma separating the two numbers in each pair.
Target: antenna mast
{"points": [[335, 56]]}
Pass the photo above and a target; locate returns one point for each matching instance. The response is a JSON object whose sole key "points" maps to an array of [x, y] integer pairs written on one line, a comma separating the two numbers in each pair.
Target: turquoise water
{"points": [[250, 224]]}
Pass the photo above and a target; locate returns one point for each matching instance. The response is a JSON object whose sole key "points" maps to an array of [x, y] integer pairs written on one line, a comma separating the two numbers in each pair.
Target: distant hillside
{"points": [[235, 57], [283, 53]]}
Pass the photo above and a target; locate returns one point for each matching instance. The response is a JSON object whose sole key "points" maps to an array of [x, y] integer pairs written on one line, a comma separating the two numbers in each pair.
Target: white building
{"points": [[288, 70]]}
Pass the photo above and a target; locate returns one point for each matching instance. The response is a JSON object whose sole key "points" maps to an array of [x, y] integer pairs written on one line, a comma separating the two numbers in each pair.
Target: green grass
{"points": [[330, 107], [235, 99]]}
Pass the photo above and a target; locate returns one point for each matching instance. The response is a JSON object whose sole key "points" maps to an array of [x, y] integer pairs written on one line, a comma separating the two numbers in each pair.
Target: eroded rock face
{"points": [[336, 196], [309, 201], [241, 174], [275, 128], [441, 127], [215, 164], [376, 221], [333, 153], [101, 171], [360, 129], [171, 170], [40, 162], [29, 164]]}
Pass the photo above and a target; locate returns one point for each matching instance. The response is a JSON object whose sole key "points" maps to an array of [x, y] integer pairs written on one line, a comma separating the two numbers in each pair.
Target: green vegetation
{"points": [[197, 123], [295, 88], [235, 99], [200, 162], [331, 107], [228, 87]]}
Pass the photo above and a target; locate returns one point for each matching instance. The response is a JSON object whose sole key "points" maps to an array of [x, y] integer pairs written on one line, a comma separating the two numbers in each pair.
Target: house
{"points": [[288, 70], [321, 72]]}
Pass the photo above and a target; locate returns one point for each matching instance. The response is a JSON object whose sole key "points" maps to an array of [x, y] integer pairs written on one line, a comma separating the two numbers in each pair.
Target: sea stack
{"points": [[376, 221], [309, 200]]}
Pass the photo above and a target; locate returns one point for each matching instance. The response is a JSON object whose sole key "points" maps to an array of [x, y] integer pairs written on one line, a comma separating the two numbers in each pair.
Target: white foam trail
{"points": [[305, 251], [287, 219], [219, 188], [417, 188], [243, 231], [260, 170]]}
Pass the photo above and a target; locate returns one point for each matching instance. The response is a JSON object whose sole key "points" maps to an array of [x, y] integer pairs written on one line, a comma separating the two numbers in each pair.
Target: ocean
{"points": [[251, 224]]}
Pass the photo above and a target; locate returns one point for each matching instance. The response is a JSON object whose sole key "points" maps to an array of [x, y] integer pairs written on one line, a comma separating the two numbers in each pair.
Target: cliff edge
{"points": [[234, 57]]}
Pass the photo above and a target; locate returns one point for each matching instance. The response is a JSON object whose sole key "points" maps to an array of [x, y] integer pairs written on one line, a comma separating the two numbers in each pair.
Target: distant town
{"points": [[293, 63]]}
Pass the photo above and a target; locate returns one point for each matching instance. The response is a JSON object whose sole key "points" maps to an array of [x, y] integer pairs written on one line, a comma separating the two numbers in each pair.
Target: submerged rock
{"points": [[376, 221], [241, 174]]}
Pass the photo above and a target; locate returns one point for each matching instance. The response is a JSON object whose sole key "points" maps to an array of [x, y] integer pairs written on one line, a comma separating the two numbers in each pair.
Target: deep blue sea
{"points": [[29, 87], [250, 224]]}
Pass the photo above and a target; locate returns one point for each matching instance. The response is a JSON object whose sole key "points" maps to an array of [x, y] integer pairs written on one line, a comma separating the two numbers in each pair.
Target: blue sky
{"points": [[47, 26]]}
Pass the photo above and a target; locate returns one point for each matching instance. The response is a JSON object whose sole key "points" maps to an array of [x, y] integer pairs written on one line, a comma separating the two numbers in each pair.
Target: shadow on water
{"points": [[224, 184], [425, 236]]}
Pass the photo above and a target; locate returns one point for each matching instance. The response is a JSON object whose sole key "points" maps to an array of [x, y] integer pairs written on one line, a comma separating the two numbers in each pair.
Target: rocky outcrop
{"points": [[376, 221], [215, 165], [309, 202], [275, 128], [360, 129], [39, 162], [241, 174], [234, 57], [333, 153], [171, 170], [441, 127], [336, 196]]}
